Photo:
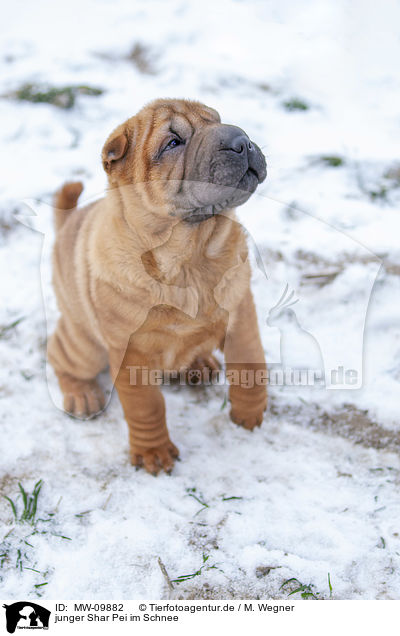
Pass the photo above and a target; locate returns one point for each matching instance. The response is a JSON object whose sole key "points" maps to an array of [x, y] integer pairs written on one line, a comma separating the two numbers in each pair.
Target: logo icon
{"points": [[26, 615]]}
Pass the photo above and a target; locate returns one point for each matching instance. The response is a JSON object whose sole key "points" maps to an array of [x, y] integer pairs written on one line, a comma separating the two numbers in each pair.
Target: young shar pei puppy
{"points": [[156, 275]]}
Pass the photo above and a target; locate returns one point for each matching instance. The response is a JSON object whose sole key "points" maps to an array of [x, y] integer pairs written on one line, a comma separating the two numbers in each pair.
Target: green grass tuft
{"points": [[230, 498], [225, 402], [6, 329], [333, 161], [61, 97], [295, 104], [17, 549], [197, 497], [330, 585], [305, 591], [30, 503], [204, 566]]}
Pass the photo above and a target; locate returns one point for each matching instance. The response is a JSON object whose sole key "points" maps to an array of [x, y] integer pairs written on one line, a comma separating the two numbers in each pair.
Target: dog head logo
{"points": [[26, 615]]}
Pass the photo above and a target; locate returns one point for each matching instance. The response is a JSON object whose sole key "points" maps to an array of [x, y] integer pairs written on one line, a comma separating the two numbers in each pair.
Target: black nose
{"points": [[240, 143], [233, 138]]}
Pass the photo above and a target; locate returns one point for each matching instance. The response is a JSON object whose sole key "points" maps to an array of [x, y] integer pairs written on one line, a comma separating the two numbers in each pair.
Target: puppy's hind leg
{"points": [[77, 360], [82, 398]]}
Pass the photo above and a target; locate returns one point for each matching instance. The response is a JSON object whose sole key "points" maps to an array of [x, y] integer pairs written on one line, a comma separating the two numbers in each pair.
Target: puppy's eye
{"points": [[174, 143]]}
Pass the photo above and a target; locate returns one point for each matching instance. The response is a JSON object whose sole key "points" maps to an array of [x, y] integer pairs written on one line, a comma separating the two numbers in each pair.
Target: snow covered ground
{"points": [[312, 493]]}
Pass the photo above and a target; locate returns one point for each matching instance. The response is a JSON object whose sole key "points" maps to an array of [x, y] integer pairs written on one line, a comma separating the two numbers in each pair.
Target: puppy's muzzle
{"points": [[234, 140], [223, 168]]}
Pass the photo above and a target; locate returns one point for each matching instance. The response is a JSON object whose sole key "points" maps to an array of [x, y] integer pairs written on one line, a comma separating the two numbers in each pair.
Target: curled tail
{"points": [[65, 200]]}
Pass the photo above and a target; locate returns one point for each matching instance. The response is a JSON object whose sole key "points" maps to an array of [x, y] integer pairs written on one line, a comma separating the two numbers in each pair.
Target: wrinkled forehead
{"points": [[182, 118]]}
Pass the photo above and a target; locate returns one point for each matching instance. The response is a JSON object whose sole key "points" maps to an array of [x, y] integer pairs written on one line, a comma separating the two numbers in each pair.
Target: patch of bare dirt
{"points": [[349, 422]]}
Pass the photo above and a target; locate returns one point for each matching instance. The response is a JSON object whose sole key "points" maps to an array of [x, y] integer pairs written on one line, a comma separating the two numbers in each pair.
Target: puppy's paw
{"points": [[155, 459], [82, 398], [248, 405], [248, 420]]}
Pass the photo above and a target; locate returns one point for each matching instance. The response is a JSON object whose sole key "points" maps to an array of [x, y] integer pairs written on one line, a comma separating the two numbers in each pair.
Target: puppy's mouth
{"points": [[254, 171], [222, 179], [230, 196], [250, 180]]}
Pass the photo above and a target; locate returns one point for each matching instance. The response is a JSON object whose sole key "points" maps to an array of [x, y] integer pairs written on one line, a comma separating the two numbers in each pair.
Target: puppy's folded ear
{"points": [[115, 148], [214, 114]]}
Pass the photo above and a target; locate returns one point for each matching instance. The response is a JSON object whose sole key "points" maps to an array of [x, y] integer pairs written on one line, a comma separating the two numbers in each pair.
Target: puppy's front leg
{"points": [[144, 409], [245, 365]]}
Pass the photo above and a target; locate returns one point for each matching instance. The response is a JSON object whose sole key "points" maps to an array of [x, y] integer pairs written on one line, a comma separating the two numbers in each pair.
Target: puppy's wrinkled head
{"points": [[179, 158]]}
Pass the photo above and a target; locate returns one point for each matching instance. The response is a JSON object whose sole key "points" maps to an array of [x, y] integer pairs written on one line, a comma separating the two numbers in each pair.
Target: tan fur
{"points": [[137, 287], [65, 200]]}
